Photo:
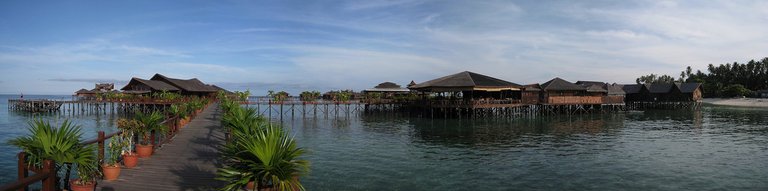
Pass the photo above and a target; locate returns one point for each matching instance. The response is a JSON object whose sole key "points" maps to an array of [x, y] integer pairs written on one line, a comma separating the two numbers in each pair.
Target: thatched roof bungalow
{"points": [[690, 91], [142, 86], [471, 89], [387, 87], [188, 87], [558, 91]]}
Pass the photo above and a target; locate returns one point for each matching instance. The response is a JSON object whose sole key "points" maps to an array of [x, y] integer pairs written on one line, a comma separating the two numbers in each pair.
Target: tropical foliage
{"points": [[654, 79], [61, 145], [258, 152], [309, 95], [279, 96], [148, 123], [730, 79]]}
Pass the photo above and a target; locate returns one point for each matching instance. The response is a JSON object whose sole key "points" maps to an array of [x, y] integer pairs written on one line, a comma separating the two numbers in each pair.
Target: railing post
{"points": [[22, 169], [49, 184], [101, 147]]}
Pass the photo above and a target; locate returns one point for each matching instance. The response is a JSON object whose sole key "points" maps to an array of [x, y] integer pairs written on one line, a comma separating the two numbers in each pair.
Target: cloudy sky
{"points": [[58, 47]]}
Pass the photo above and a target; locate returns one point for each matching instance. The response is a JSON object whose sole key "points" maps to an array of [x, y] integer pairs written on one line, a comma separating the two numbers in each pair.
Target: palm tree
{"points": [[262, 153], [61, 145]]}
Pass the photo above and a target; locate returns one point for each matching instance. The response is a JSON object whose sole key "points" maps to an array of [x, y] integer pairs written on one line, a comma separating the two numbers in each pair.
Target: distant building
{"points": [[159, 83], [388, 89], [100, 88]]}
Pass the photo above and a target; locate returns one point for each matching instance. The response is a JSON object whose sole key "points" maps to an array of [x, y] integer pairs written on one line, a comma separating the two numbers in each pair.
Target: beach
{"points": [[740, 102]]}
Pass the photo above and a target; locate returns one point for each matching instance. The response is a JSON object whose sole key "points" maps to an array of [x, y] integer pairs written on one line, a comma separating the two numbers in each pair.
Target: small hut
{"points": [[469, 89], [636, 93], [561, 92], [689, 91], [616, 94], [531, 94], [84, 93]]}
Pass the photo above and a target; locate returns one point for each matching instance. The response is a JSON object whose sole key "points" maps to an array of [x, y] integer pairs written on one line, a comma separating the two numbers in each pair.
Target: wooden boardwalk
{"points": [[188, 162]]}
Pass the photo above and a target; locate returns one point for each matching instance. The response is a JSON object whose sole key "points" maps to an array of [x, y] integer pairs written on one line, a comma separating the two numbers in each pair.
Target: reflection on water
{"points": [[712, 148]]}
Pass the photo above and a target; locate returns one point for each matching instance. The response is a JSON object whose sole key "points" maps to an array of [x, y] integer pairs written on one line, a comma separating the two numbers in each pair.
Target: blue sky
{"points": [[58, 47]]}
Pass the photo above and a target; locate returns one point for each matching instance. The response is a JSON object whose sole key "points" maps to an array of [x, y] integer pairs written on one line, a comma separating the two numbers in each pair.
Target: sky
{"points": [[58, 47]]}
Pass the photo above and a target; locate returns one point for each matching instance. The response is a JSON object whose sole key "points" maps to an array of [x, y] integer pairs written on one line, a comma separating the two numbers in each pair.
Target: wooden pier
{"points": [[188, 162], [78, 107]]}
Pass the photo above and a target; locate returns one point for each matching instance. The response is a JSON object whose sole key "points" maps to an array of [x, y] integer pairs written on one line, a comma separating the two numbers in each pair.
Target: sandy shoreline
{"points": [[740, 102]]}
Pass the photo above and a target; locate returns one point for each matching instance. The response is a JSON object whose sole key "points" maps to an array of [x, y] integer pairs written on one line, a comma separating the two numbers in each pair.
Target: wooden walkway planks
{"points": [[188, 162]]}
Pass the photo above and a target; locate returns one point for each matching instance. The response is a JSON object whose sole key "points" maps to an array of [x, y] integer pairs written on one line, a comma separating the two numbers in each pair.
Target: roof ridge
{"points": [[469, 74]]}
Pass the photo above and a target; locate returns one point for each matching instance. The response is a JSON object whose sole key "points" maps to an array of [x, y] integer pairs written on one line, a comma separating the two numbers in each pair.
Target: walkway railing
{"points": [[47, 174]]}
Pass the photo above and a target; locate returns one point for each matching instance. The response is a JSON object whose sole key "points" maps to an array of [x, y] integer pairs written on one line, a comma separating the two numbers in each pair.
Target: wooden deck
{"points": [[188, 162]]}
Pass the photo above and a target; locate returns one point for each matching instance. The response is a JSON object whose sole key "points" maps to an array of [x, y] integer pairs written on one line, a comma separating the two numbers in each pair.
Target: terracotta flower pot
{"points": [[130, 160], [144, 151], [111, 172], [76, 186]]}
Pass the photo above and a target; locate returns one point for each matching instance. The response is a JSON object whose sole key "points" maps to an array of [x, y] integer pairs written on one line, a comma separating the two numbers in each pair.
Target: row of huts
{"points": [[469, 87]]}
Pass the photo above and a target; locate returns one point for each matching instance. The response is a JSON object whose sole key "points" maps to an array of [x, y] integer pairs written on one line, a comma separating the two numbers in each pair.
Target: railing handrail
{"points": [[96, 140], [26, 181]]}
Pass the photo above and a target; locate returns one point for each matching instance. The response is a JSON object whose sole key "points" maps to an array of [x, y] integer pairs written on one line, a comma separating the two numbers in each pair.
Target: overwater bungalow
{"points": [[100, 88], [469, 90], [142, 86], [635, 93], [188, 87], [159, 83], [690, 91], [616, 94], [561, 92], [612, 94], [661, 92], [387, 89], [531, 94]]}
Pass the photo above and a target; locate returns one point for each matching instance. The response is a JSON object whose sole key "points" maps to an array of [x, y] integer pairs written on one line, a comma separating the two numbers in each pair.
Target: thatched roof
{"points": [[389, 85], [596, 88], [532, 87], [659, 88], [83, 91], [190, 85], [412, 83], [155, 85], [688, 87], [615, 89], [589, 83], [558, 84], [466, 81], [221, 89], [633, 88]]}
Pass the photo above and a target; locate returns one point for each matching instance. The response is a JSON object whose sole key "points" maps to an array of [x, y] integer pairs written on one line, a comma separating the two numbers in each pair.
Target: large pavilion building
{"points": [[160, 83]]}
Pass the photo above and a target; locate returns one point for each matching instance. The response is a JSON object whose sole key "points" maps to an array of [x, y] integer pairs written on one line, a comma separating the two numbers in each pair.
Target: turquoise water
{"points": [[716, 148], [14, 124]]}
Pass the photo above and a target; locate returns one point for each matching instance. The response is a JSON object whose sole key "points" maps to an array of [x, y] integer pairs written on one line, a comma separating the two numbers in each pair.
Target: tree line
{"points": [[724, 80]]}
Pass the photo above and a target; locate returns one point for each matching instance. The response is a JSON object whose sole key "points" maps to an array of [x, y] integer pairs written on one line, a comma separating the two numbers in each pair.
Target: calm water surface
{"points": [[716, 148]]}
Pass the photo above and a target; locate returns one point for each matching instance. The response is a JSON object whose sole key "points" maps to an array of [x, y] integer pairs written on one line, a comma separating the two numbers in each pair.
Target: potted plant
{"points": [[86, 177], [111, 166], [148, 123], [128, 127], [67, 152]]}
